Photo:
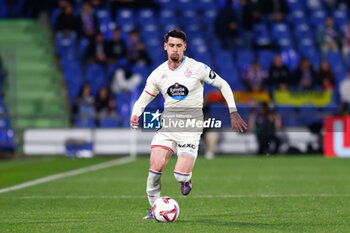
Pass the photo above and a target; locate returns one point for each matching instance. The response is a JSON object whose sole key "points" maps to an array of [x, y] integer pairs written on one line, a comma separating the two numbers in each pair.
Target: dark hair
{"points": [[177, 33]]}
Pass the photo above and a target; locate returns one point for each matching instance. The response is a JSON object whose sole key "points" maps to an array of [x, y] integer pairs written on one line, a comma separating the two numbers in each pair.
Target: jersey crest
{"points": [[188, 72]]}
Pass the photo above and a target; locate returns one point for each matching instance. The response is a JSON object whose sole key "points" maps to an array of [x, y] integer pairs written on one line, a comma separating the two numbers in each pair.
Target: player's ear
{"points": [[185, 47], [164, 46]]}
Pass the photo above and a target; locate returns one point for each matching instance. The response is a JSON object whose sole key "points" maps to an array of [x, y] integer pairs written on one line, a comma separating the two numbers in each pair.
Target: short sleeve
{"points": [[151, 87], [206, 73]]}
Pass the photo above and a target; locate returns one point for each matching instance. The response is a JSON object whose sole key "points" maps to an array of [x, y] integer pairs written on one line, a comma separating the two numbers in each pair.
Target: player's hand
{"points": [[134, 121], [237, 123]]}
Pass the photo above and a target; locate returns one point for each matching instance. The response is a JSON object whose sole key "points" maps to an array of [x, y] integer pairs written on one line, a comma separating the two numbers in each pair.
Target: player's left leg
{"points": [[183, 172]]}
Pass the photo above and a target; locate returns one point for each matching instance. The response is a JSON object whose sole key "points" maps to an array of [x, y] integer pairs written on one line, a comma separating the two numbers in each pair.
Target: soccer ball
{"points": [[165, 209]]}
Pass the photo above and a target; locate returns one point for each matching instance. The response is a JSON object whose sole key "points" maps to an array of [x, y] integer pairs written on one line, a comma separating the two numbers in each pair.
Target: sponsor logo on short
{"points": [[187, 145]]}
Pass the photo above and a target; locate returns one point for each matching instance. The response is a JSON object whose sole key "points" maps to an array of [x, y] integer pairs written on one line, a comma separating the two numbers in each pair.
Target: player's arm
{"points": [[237, 122], [144, 99], [149, 93]]}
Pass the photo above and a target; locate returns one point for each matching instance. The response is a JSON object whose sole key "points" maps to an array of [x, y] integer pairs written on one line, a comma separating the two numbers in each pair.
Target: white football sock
{"points": [[182, 177], [153, 186]]}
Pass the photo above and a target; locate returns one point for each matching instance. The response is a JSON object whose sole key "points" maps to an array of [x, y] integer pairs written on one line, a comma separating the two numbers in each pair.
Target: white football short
{"points": [[185, 143]]}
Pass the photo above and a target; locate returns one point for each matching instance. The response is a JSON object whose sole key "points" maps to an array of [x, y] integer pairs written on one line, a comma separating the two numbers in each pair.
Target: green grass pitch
{"points": [[230, 194]]}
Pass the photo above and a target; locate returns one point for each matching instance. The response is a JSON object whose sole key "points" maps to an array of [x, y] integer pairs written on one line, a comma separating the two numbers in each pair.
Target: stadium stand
{"points": [[35, 93]]}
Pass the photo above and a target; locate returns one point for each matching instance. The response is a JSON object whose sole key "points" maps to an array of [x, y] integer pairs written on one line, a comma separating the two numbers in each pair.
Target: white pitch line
{"points": [[194, 196], [67, 174]]}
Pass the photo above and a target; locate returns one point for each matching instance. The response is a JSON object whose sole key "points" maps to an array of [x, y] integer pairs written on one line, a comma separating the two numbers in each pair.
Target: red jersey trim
{"points": [[163, 147], [150, 93]]}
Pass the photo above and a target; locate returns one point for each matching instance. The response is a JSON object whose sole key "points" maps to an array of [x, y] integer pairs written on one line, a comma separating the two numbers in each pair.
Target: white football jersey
{"points": [[183, 87]]}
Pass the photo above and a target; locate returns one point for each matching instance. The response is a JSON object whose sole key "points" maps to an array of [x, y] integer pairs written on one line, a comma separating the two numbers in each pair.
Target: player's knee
{"points": [[157, 166], [182, 177]]}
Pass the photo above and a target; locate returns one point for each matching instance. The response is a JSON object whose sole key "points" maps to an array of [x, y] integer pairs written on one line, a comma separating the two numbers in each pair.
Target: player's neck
{"points": [[175, 64]]}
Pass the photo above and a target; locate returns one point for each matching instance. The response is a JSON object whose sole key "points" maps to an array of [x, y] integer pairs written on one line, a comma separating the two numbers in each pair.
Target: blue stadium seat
{"points": [[298, 17], [197, 41], [341, 18], [106, 28], [280, 30], [186, 4], [207, 4], [263, 40], [330, 110], [294, 5], [167, 4], [83, 45], [53, 17], [244, 59], [146, 16], [224, 59], [285, 43], [188, 16], [219, 112], [230, 74], [314, 4], [85, 123], [66, 45], [167, 16], [209, 16], [192, 29], [103, 15], [142, 70], [7, 139], [17, 11], [3, 10], [109, 122], [302, 30], [125, 16], [169, 27], [310, 114], [337, 65], [5, 123], [308, 50], [290, 58], [3, 109], [203, 55], [123, 104], [260, 29], [244, 111], [312, 54], [265, 58], [288, 115], [318, 18], [215, 45], [208, 32], [96, 77]]}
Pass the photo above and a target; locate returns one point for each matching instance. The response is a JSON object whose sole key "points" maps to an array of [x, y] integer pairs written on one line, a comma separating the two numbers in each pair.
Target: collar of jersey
{"points": [[183, 62]]}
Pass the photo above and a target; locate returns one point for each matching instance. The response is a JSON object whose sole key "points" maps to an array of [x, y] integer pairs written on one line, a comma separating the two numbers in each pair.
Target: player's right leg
{"points": [[158, 160]]}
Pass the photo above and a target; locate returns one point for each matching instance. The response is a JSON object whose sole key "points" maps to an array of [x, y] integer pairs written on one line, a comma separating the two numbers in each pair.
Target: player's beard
{"points": [[175, 57]]}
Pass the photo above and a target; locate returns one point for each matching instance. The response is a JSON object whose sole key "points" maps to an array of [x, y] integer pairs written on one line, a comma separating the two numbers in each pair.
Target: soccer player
{"points": [[180, 79]]}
